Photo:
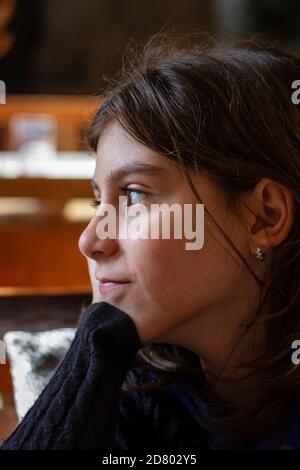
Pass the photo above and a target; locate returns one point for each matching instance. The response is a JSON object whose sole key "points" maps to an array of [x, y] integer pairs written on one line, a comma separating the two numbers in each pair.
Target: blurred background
{"points": [[53, 55]]}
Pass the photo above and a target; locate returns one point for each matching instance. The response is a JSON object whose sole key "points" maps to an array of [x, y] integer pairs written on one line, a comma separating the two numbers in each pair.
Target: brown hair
{"points": [[224, 110]]}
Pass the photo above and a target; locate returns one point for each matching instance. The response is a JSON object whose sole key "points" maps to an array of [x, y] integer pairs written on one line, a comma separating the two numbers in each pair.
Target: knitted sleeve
{"points": [[79, 406]]}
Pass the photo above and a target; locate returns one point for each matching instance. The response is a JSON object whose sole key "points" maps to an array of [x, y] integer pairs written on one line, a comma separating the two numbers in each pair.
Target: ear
{"points": [[270, 214]]}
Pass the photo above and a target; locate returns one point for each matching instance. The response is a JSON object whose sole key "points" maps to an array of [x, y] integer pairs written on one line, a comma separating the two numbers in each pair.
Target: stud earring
{"points": [[259, 254]]}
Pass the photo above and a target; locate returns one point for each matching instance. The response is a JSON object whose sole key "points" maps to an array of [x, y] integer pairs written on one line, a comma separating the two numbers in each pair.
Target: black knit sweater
{"points": [[84, 407]]}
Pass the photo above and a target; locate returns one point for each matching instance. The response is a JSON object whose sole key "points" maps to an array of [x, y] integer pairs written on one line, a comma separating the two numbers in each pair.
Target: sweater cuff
{"points": [[99, 320]]}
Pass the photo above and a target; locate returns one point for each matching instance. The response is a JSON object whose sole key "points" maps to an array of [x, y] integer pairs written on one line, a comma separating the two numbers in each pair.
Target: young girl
{"points": [[188, 348]]}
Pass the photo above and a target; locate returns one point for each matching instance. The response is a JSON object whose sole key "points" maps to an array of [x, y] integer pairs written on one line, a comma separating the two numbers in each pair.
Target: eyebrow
{"points": [[131, 168]]}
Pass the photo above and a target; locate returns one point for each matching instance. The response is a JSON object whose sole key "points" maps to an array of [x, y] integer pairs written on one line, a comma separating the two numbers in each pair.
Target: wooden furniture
{"points": [[42, 254], [71, 112], [41, 248]]}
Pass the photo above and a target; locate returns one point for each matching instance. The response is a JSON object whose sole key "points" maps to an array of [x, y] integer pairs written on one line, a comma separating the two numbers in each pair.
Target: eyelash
{"points": [[96, 203]]}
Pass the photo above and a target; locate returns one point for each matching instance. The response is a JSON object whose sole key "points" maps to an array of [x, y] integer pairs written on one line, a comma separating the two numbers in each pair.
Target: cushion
{"points": [[34, 357]]}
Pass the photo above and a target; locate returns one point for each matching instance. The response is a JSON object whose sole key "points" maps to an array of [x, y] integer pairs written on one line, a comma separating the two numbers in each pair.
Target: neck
{"points": [[221, 351]]}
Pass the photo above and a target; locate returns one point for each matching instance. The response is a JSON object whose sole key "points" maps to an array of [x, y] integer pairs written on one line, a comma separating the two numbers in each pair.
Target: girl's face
{"points": [[169, 287]]}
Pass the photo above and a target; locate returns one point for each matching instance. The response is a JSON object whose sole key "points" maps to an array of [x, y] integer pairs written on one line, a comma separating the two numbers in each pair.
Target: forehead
{"points": [[114, 140], [116, 150], [119, 155]]}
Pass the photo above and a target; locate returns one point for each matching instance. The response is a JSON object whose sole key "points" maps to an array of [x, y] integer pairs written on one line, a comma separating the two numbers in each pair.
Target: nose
{"points": [[94, 247]]}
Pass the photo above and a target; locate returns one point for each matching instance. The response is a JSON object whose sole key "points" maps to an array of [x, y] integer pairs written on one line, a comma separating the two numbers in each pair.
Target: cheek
{"points": [[172, 277], [164, 270]]}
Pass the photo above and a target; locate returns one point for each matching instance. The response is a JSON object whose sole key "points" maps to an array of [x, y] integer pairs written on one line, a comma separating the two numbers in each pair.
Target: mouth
{"points": [[106, 285]]}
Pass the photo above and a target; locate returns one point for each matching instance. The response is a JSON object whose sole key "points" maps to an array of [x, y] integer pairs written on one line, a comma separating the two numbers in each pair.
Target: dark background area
{"points": [[65, 46]]}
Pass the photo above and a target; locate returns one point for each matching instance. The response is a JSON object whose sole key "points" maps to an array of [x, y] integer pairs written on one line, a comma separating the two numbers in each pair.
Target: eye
{"points": [[95, 203], [134, 191], [128, 191]]}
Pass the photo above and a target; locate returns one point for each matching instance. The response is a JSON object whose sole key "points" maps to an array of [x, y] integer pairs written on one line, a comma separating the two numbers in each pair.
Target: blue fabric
{"points": [[292, 440]]}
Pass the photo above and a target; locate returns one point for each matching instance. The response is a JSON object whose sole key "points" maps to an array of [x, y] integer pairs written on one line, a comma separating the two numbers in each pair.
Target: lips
{"points": [[104, 280], [106, 285]]}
